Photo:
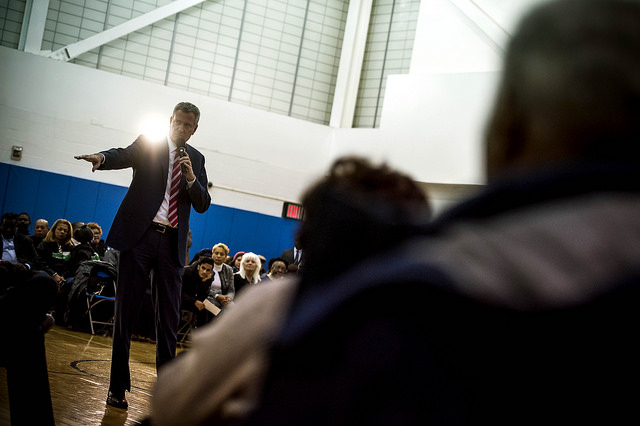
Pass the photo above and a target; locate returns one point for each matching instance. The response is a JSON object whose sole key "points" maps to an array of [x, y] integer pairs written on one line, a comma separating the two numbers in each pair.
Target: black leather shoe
{"points": [[117, 402]]}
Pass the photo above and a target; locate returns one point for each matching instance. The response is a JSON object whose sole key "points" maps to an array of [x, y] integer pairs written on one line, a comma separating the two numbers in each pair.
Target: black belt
{"points": [[162, 228]]}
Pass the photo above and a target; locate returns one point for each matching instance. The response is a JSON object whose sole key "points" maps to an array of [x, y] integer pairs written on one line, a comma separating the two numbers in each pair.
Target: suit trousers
{"points": [[154, 252]]}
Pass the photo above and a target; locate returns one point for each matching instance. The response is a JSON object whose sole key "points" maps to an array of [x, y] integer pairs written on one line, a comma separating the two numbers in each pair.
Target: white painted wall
{"points": [[431, 126], [56, 110]]}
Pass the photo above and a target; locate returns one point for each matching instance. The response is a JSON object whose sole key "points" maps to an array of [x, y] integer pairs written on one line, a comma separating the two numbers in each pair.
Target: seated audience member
{"points": [[353, 185], [249, 273], [80, 254], [54, 253], [277, 269], [263, 263], [368, 208], [98, 244], [16, 248], [40, 230], [293, 256], [24, 222], [26, 298], [235, 262], [55, 250], [519, 303], [84, 251], [196, 282], [75, 226], [222, 289]]}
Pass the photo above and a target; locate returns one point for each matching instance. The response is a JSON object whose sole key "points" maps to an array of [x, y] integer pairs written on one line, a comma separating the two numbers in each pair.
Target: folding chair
{"points": [[187, 323], [100, 288]]}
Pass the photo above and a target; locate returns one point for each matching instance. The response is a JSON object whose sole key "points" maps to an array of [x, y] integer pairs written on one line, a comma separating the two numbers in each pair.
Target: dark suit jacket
{"points": [[150, 163], [25, 252], [289, 254]]}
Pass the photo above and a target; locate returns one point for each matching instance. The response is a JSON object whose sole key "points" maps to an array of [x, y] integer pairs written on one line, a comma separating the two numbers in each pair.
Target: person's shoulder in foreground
{"points": [[518, 302], [219, 377]]}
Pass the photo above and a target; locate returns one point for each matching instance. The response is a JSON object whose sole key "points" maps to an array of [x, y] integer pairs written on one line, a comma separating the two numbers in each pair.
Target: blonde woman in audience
{"points": [[222, 288], [249, 273]]}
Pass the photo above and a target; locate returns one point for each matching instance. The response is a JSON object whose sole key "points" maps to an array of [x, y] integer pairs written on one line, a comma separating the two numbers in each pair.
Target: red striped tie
{"points": [[176, 174]]}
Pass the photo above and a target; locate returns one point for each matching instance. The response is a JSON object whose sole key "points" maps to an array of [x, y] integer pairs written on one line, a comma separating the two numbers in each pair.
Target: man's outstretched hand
{"points": [[95, 159]]}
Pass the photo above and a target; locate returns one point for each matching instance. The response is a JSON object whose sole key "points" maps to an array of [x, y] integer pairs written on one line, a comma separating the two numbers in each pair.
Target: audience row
{"points": [[60, 250]]}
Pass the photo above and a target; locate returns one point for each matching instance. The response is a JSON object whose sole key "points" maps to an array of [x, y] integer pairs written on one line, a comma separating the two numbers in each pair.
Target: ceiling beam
{"points": [[351, 59], [76, 49], [483, 24], [33, 24]]}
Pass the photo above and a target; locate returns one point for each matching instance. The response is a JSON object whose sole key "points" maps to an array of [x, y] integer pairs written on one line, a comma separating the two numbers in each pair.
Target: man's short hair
{"points": [[205, 260], [9, 216], [188, 107]]}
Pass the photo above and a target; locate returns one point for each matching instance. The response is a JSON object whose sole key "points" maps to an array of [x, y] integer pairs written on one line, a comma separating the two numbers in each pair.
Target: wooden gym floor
{"points": [[79, 365]]}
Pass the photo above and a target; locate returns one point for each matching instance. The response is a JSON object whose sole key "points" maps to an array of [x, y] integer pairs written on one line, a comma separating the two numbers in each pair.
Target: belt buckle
{"points": [[161, 228]]}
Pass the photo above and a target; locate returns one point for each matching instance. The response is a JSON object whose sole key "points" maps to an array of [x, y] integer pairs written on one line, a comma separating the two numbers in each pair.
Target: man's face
{"points": [[204, 271], [219, 256], [182, 125], [278, 269], [40, 229], [23, 221], [8, 228]]}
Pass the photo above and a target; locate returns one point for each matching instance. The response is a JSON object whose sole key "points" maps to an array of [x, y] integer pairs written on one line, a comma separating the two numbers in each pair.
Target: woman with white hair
{"points": [[249, 273]]}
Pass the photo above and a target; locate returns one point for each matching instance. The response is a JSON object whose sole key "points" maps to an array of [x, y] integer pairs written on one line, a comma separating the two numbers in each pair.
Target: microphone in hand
{"points": [[182, 152]]}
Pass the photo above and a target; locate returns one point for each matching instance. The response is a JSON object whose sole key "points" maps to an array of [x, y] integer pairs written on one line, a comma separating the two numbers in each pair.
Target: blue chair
{"points": [[101, 288]]}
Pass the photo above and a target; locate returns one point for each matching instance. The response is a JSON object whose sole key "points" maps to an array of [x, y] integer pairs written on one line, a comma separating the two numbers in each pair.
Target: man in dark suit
{"points": [[293, 257], [22, 254], [150, 230]]}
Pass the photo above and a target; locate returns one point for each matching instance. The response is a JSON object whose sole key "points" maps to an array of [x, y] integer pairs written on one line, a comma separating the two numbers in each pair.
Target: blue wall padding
{"points": [[52, 196]]}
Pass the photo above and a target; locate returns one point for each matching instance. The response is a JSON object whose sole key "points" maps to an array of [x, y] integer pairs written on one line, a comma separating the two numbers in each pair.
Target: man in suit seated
{"points": [[40, 230]]}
